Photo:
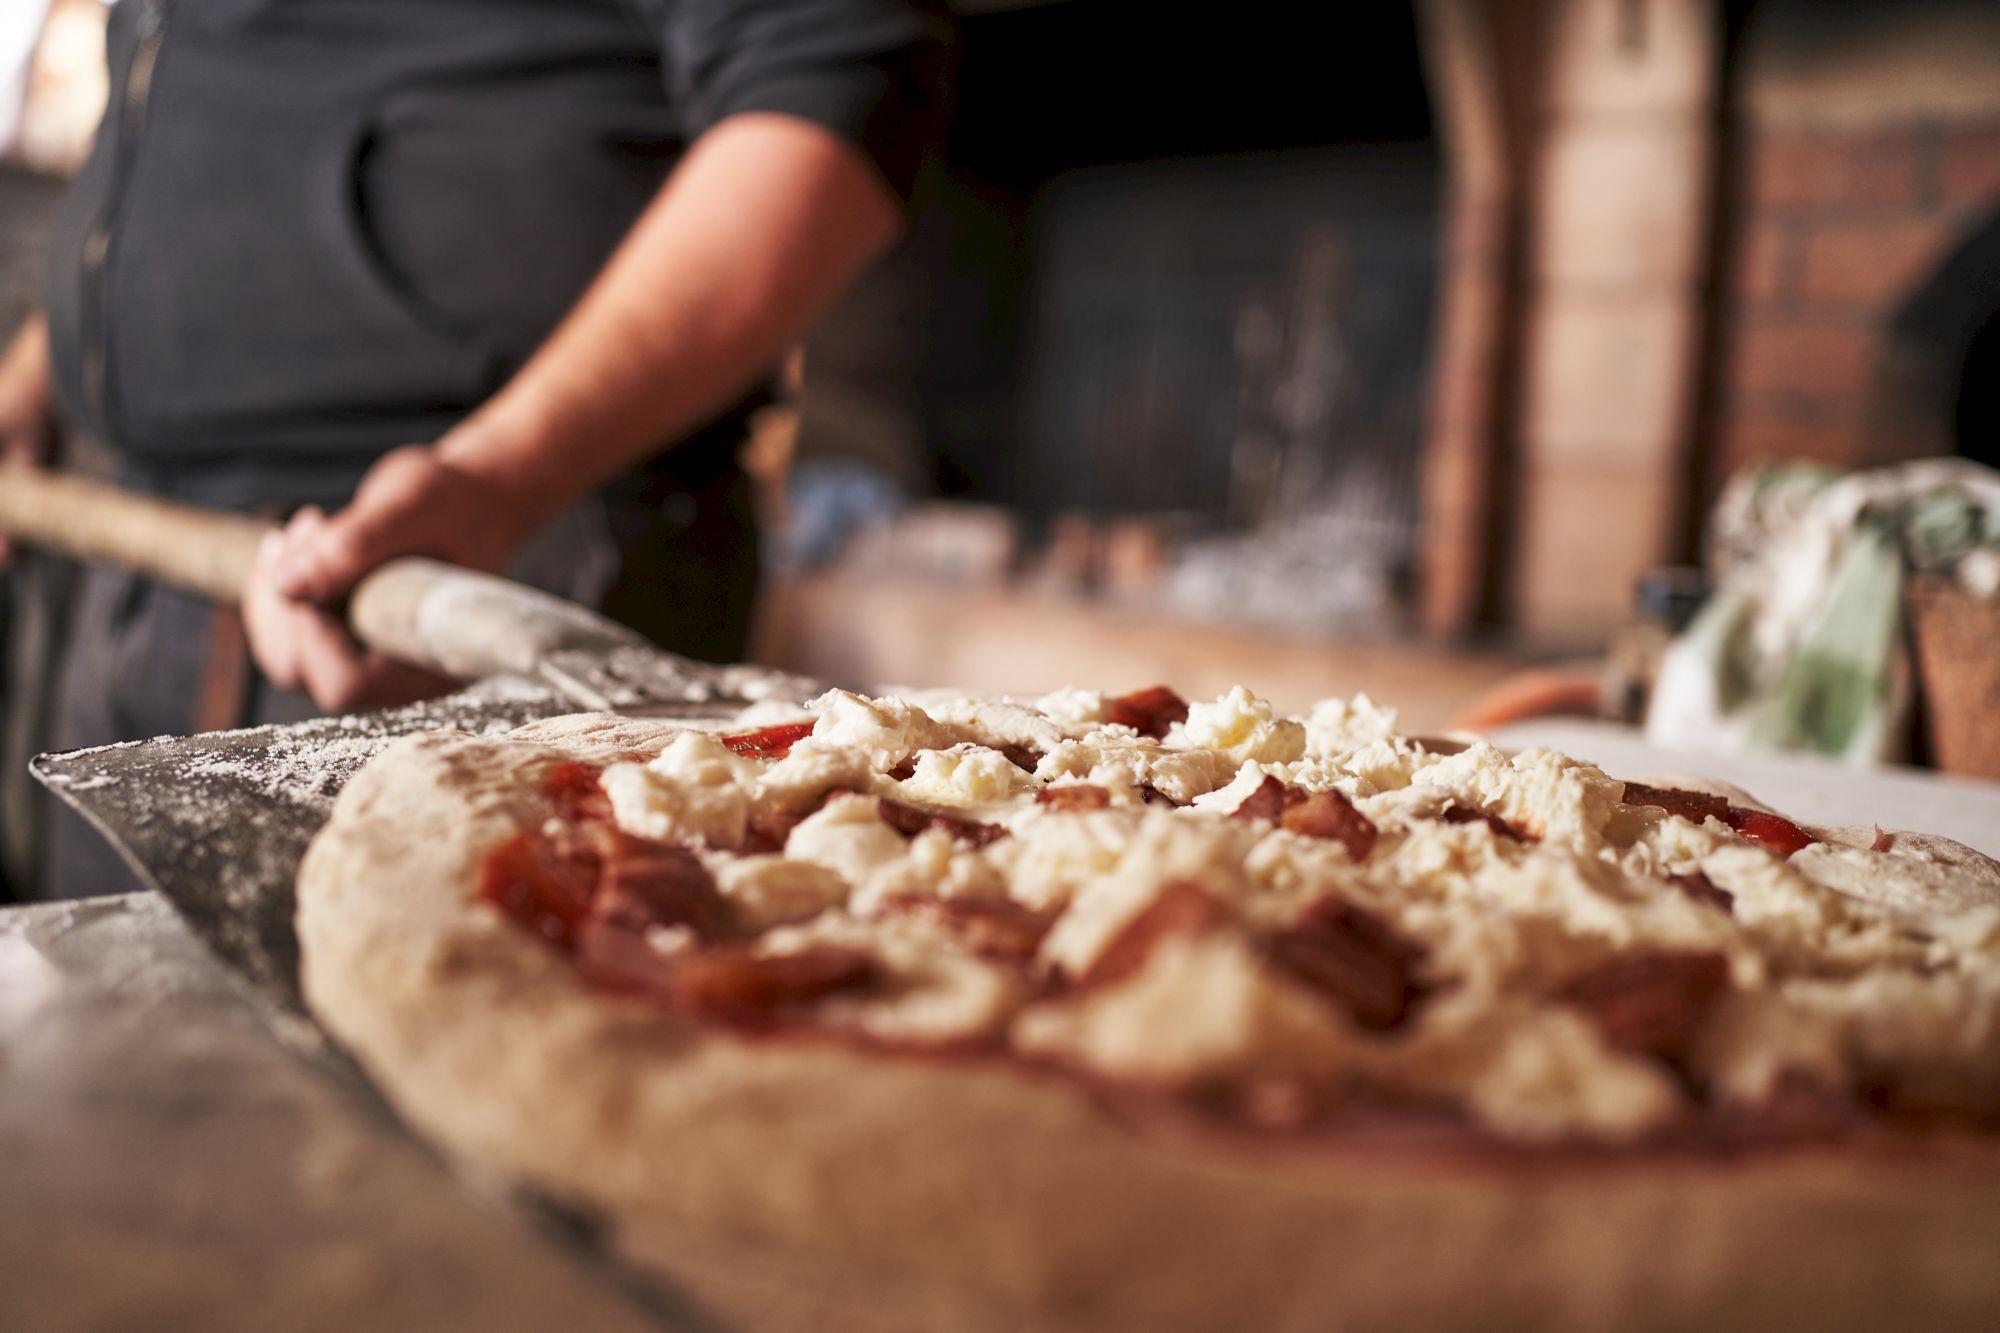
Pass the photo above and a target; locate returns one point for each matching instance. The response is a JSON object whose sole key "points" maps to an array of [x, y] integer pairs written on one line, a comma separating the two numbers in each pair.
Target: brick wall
{"points": [[1576, 280], [1864, 164]]}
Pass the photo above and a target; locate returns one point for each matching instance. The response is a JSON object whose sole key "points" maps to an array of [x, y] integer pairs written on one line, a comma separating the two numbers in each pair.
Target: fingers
{"points": [[14, 448], [266, 613], [320, 558], [297, 646]]}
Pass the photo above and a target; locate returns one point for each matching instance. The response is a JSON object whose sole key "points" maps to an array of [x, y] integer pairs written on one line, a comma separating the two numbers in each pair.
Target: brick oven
{"points": [[1666, 238], [1685, 236], [1864, 300]]}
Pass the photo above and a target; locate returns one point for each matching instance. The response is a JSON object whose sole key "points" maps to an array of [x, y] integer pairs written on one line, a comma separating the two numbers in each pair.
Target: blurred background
{"points": [[1414, 358]]}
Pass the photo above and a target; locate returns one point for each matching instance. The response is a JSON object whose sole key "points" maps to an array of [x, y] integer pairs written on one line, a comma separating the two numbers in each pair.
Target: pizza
{"points": [[944, 1012]]}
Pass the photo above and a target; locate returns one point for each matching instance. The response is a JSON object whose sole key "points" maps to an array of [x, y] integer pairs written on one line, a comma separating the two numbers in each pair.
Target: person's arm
{"points": [[761, 226], [27, 412]]}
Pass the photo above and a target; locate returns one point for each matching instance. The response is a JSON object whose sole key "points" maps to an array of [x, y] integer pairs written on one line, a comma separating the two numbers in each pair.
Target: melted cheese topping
{"points": [[1829, 977]]}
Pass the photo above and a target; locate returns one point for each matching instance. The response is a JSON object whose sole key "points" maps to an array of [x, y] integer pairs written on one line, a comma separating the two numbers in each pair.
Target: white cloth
{"points": [[1800, 646]]}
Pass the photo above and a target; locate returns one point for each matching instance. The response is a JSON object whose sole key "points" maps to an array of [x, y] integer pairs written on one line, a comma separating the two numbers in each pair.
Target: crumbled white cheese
{"points": [[1129, 765], [935, 991], [1075, 711], [996, 722], [884, 731], [772, 890], [693, 791], [848, 837], [1166, 848], [1242, 727], [1336, 726], [1201, 1006], [965, 776], [1847, 964]]}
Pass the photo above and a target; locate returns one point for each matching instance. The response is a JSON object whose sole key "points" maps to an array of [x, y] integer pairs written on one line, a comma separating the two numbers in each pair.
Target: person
{"points": [[493, 281]]}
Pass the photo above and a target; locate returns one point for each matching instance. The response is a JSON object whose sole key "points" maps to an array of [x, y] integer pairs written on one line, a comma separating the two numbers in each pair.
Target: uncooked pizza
{"points": [[935, 1011]]}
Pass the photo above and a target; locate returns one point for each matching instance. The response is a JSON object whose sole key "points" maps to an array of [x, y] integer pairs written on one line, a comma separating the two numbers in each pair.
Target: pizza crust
{"points": [[811, 1184]]}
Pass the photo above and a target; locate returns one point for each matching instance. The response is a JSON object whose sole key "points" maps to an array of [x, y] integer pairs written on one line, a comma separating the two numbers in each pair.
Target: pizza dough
{"points": [[870, 1167]]}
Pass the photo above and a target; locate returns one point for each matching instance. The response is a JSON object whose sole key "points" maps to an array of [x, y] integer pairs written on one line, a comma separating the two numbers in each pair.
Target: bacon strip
{"points": [[1467, 814], [770, 829], [1024, 757], [1694, 805], [768, 742], [996, 928], [1181, 907], [1073, 796], [1328, 814], [1267, 802], [910, 820], [736, 986], [1355, 959], [1781, 835], [1702, 889], [644, 884], [1149, 712], [1650, 1003], [1318, 814]]}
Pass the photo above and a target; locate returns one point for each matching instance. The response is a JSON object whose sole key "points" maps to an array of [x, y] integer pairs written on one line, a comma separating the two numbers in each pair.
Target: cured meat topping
{"points": [[1048, 939], [910, 820], [1180, 908], [576, 793], [1702, 889], [996, 928], [768, 742], [1781, 835], [1649, 1003], [1317, 814], [1149, 712], [1466, 814], [540, 886], [1355, 959], [1695, 805], [737, 986]]}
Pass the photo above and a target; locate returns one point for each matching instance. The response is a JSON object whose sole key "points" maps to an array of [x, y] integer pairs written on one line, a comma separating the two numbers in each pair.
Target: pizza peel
{"points": [[218, 822]]}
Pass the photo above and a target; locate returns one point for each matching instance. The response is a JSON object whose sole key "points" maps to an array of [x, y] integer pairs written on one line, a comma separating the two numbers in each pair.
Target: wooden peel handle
{"points": [[467, 624], [418, 611], [206, 552]]}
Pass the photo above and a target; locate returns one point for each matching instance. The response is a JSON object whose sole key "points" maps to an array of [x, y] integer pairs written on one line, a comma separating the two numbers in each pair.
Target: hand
{"points": [[27, 419], [412, 502]]}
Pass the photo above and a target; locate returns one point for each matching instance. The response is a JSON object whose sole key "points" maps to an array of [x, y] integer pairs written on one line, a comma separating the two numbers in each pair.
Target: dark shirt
{"points": [[313, 230]]}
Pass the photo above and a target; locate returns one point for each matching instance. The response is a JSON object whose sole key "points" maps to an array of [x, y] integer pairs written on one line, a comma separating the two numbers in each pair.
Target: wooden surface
{"points": [[166, 1165]]}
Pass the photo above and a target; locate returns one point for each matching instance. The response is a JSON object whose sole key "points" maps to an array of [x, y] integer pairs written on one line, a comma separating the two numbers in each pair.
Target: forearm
{"points": [[24, 368], [761, 227]]}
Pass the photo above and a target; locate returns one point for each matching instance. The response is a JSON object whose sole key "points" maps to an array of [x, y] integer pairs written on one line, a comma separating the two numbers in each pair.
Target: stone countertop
{"points": [[167, 1164]]}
